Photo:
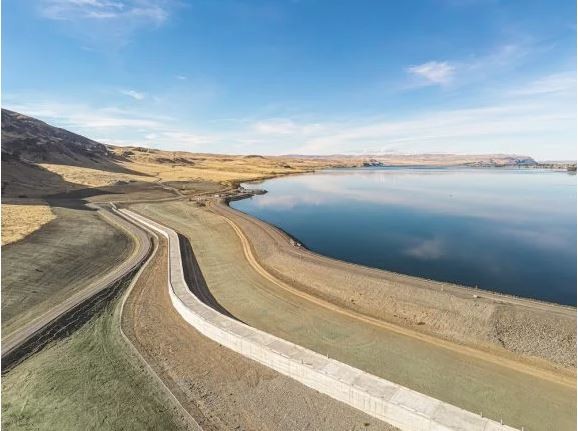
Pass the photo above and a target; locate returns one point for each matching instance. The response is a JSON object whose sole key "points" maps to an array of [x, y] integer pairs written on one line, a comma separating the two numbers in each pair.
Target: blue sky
{"points": [[301, 76]]}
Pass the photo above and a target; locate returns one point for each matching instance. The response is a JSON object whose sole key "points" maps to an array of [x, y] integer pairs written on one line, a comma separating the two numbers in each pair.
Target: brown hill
{"points": [[39, 159], [33, 140]]}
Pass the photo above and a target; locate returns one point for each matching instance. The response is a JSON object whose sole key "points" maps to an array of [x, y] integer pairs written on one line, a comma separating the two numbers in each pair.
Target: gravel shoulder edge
{"points": [[188, 420]]}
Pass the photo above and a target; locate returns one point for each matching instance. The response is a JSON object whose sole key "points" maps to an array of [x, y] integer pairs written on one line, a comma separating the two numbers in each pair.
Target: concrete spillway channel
{"points": [[387, 401], [77, 308]]}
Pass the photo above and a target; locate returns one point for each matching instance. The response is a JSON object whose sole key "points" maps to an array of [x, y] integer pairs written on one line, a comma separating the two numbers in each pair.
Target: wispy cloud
{"points": [[137, 95], [505, 127], [186, 140], [106, 25], [536, 119], [564, 82], [433, 72], [284, 126], [79, 117], [151, 11], [116, 126], [470, 70]]}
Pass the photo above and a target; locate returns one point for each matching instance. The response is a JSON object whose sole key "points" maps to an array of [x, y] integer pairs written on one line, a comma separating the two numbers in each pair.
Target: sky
{"points": [[299, 76]]}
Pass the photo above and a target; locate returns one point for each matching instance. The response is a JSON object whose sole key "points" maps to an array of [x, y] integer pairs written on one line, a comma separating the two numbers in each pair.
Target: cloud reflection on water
{"points": [[507, 230], [444, 191]]}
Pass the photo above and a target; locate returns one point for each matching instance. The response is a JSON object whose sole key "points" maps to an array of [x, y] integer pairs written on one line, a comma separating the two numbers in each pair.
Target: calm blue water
{"points": [[512, 231]]}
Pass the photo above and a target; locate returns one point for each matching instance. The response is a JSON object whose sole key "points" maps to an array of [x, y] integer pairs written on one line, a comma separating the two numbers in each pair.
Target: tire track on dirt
{"points": [[501, 361]]}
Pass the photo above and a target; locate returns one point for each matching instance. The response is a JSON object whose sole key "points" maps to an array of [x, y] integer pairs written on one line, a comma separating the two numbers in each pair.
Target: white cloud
{"points": [[151, 11], [503, 128], [433, 72], [106, 25], [284, 126], [117, 126], [474, 69], [538, 123], [564, 82], [186, 140], [134, 94], [536, 119], [275, 127], [82, 118]]}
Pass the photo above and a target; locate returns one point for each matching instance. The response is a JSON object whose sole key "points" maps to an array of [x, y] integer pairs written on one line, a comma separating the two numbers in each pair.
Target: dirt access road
{"points": [[547, 374], [221, 389], [540, 334], [472, 383]]}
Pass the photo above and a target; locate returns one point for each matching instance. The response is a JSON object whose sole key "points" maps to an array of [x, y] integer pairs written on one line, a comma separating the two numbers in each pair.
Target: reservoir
{"points": [[507, 230]]}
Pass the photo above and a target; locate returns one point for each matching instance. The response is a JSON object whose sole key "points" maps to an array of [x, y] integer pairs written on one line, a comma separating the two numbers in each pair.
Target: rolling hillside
{"points": [[39, 160]]}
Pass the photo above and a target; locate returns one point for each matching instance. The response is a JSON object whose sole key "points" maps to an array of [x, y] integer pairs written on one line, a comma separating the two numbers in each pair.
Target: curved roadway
{"points": [[16, 340], [229, 215]]}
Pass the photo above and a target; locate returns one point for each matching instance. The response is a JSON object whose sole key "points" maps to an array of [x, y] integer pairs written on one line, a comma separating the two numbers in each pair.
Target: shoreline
{"points": [[474, 290], [422, 358], [380, 398], [459, 314]]}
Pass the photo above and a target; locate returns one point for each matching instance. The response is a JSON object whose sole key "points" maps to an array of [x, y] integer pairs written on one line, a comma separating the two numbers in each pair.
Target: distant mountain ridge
{"points": [[430, 159], [33, 140], [483, 160], [29, 146], [41, 160]]}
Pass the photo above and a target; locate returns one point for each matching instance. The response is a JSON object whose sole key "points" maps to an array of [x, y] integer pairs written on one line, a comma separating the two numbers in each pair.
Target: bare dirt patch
{"points": [[461, 379], [540, 331], [220, 388]]}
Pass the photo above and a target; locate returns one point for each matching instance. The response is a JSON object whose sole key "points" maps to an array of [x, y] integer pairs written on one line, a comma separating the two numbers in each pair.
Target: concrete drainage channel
{"points": [[387, 401]]}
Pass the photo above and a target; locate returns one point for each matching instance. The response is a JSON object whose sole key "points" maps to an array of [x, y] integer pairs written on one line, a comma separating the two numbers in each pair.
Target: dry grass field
{"points": [[142, 164], [184, 166], [19, 221], [90, 177]]}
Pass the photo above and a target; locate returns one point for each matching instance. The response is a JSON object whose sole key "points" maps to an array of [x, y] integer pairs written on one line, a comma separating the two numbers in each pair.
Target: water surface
{"points": [[512, 231]]}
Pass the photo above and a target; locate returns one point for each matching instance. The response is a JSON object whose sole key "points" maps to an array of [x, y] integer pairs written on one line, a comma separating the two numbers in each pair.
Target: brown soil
{"points": [[460, 375], [539, 331], [221, 389]]}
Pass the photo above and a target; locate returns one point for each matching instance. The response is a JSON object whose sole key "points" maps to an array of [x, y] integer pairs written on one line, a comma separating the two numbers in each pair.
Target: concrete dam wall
{"points": [[387, 401]]}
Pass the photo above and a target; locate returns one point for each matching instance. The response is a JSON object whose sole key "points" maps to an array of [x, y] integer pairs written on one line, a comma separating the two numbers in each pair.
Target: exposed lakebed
{"points": [[506, 230]]}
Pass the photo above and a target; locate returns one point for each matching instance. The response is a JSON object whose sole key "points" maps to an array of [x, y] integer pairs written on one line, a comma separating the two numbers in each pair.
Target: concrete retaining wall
{"points": [[392, 403]]}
